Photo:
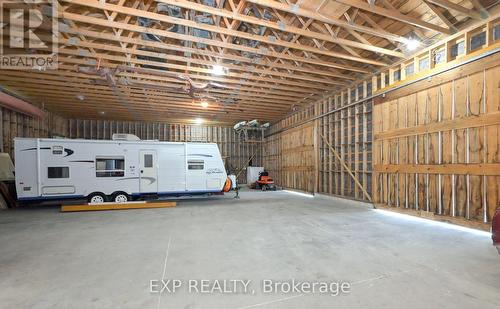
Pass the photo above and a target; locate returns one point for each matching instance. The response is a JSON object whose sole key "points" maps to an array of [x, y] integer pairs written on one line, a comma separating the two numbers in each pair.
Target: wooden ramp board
{"points": [[117, 206]]}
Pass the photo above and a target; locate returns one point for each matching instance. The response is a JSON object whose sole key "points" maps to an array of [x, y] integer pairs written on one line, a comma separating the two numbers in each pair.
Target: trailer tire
{"points": [[96, 198], [120, 197]]}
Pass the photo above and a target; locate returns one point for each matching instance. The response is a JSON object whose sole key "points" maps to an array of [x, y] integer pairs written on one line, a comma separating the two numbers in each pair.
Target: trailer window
{"points": [[148, 160], [110, 167], [58, 172], [196, 164]]}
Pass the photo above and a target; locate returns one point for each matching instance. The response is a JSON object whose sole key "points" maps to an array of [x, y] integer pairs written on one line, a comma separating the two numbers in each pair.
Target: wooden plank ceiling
{"points": [[154, 59]]}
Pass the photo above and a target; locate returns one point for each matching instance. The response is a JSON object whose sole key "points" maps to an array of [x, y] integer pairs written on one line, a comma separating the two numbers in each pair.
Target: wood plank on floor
{"points": [[116, 206]]}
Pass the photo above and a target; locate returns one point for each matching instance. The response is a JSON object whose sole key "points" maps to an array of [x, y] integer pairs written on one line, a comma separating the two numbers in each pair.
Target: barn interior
{"points": [[377, 122]]}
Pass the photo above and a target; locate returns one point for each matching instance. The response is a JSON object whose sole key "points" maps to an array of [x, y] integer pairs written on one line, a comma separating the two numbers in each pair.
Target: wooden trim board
{"points": [[487, 169]]}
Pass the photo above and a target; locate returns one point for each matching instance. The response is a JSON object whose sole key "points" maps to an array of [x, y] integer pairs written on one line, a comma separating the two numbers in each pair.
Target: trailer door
{"points": [[149, 171]]}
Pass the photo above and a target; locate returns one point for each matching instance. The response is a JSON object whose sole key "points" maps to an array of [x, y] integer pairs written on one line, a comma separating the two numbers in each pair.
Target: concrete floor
{"points": [[107, 259]]}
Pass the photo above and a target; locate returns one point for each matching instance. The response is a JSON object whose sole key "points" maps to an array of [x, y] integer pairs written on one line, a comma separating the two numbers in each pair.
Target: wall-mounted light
{"points": [[198, 121], [218, 70], [204, 104], [80, 97]]}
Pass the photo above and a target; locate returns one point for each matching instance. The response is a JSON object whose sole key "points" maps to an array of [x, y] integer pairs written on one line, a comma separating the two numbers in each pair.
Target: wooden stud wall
{"points": [[345, 118], [104, 129], [345, 121], [349, 132], [290, 158], [235, 148], [14, 124], [437, 148]]}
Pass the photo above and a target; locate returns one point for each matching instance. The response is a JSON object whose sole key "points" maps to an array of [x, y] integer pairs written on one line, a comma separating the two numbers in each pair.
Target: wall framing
{"points": [[344, 120], [435, 135], [437, 147], [14, 124]]}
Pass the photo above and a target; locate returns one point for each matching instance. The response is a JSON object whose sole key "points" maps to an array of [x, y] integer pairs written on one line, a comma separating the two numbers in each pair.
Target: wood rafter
{"points": [[438, 12], [455, 7], [279, 26], [295, 9], [215, 29], [394, 14]]}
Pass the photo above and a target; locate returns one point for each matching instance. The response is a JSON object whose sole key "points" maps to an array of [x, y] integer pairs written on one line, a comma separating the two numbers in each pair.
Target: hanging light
{"points": [[412, 44]]}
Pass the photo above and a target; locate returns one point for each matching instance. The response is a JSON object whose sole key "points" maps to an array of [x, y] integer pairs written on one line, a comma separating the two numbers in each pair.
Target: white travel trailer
{"points": [[117, 170]]}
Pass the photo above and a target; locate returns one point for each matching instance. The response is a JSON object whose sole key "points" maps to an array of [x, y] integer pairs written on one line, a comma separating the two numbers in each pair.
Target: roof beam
{"points": [[83, 85], [455, 7], [396, 15], [482, 10], [191, 69], [177, 48], [296, 9], [439, 14], [217, 29], [171, 57], [206, 78], [279, 26], [172, 35]]}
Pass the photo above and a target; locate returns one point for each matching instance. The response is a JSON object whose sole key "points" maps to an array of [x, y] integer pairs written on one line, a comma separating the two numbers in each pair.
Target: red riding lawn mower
{"points": [[264, 183]]}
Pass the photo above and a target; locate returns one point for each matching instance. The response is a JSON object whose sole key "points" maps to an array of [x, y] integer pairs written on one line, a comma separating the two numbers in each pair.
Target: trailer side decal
{"points": [[68, 152], [200, 155], [152, 179], [34, 148]]}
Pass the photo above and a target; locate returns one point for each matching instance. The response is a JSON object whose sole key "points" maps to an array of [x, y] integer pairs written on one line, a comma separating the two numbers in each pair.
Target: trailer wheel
{"points": [[96, 198], [120, 197]]}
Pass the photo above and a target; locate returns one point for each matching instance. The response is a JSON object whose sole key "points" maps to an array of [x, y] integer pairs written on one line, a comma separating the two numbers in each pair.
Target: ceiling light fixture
{"points": [[204, 104], [198, 121], [218, 70], [412, 44]]}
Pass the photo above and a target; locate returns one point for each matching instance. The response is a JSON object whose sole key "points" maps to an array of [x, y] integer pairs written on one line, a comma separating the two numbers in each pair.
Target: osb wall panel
{"points": [[290, 158], [237, 150], [14, 124], [437, 149]]}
